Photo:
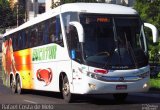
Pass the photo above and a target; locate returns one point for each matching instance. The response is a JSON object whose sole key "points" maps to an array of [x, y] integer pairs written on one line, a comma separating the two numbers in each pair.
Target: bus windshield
{"points": [[114, 41]]}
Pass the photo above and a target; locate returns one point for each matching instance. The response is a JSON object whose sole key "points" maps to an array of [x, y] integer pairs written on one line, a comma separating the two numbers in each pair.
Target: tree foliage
{"points": [[149, 11], [5, 15], [19, 13], [8, 16]]}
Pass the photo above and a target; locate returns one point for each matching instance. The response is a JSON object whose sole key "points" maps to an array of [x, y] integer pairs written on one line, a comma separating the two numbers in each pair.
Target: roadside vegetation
{"points": [[155, 82], [150, 12]]}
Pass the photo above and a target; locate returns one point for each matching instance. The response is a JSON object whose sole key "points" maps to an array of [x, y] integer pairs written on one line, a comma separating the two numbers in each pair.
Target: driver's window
{"points": [[73, 38], [73, 43]]}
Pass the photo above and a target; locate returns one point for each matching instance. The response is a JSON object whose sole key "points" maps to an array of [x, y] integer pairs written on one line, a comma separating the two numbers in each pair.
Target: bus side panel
{"points": [[23, 66], [46, 75], [48, 62]]}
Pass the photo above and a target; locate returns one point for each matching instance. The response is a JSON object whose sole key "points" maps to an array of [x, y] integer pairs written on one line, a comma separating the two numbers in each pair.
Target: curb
{"points": [[148, 94]]}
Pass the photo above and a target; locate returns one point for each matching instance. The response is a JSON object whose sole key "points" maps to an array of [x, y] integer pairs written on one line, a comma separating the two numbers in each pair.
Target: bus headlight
{"points": [[93, 75], [145, 85]]}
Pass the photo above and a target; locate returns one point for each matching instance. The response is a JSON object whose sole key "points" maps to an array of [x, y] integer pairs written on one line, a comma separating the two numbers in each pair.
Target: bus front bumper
{"points": [[89, 85]]}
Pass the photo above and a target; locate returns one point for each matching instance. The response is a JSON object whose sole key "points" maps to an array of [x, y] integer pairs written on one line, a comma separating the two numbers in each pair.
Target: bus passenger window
{"points": [[45, 32], [52, 30], [26, 39], [23, 39], [40, 34], [55, 33], [19, 40], [15, 42], [33, 40]]}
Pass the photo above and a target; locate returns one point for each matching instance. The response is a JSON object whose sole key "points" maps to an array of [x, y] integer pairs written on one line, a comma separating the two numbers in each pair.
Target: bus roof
{"points": [[98, 8], [78, 7]]}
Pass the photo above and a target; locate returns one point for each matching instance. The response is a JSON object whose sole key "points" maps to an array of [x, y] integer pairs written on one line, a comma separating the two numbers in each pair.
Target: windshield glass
{"points": [[114, 41]]}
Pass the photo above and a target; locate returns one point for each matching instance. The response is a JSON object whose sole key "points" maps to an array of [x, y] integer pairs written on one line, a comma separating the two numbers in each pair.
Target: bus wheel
{"points": [[18, 85], [120, 97], [67, 96], [13, 86]]}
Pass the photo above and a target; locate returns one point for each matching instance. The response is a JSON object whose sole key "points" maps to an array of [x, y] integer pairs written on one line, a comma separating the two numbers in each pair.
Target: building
{"points": [[31, 7], [34, 8]]}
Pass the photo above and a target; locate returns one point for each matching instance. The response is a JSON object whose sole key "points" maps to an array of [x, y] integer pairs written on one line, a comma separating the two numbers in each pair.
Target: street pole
{"points": [[17, 16]]}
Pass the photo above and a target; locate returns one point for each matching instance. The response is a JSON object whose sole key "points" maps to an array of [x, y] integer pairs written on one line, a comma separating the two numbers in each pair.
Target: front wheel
{"points": [[67, 96], [120, 97]]}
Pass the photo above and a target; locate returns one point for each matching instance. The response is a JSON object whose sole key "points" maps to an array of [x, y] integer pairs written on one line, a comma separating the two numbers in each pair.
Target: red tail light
{"points": [[101, 71]]}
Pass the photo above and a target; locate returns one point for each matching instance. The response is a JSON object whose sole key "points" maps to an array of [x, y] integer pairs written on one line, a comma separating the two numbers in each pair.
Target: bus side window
{"points": [[52, 30], [15, 47], [73, 38], [45, 32], [19, 38], [55, 33], [26, 38], [73, 43], [23, 39], [33, 37], [36, 36], [40, 34], [13, 41]]}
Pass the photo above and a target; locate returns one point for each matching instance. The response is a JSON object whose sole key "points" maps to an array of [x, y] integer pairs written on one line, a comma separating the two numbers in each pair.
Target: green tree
{"points": [[149, 11], [19, 13], [5, 15]]}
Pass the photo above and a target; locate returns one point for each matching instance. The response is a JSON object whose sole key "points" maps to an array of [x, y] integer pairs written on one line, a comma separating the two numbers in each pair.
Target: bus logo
{"points": [[44, 75], [121, 79]]}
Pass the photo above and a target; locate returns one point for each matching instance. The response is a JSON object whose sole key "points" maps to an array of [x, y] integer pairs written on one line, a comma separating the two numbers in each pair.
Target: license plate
{"points": [[121, 87]]}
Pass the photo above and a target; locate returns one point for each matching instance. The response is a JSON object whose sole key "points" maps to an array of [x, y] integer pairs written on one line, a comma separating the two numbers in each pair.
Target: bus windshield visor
{"points": [[114, 41]]}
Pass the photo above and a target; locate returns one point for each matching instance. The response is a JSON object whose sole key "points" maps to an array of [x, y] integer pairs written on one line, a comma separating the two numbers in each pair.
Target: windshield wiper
{"points": [[116, 41], [130, 50]]}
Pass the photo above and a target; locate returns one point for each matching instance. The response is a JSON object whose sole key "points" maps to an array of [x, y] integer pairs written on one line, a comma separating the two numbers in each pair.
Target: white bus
{"points": [[79, 48]]}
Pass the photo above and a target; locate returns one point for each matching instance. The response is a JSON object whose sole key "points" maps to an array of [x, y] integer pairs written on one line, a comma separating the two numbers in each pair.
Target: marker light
{"points": [[101, 71]]}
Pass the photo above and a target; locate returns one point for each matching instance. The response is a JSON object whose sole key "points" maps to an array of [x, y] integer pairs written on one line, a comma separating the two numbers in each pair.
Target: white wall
{"points": [[48, 4]]}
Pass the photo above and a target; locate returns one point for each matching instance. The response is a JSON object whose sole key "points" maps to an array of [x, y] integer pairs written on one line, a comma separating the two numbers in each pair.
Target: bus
{"points": [[79, 48]]}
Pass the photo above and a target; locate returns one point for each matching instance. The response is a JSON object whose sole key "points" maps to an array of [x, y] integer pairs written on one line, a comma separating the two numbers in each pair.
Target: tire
{"points": [[67, 96], [13, 86], [120, 97], [18, 85]]}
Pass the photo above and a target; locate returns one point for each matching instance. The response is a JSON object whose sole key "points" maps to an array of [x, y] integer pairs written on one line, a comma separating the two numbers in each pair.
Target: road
{"points": [[55, 102]]}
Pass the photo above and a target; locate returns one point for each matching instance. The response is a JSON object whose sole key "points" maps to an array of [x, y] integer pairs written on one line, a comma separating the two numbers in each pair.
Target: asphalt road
{"points": [[49, 100]]}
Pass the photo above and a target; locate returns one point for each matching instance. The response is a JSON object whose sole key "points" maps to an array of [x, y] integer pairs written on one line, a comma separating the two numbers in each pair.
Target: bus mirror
{"points": [[79, 30], [154, 31]]}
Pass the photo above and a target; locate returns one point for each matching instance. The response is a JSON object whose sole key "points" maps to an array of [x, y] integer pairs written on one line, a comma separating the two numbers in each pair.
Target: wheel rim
{"points": [[13, 87], [18, 87], [66, 89]]}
